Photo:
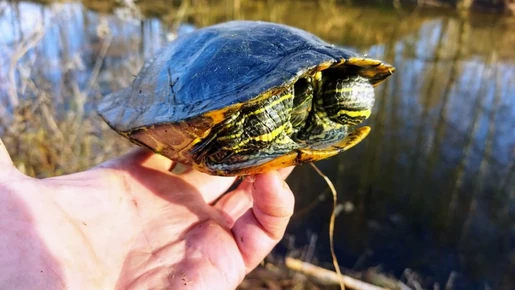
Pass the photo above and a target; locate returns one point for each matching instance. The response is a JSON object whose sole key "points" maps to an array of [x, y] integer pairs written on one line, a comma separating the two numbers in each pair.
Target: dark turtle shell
{"points": [[218, 66], [196, 81]]}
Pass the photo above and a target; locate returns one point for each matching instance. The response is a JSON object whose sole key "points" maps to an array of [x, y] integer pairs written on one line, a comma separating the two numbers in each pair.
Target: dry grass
{"points": [[49, 134], [43, 146]]}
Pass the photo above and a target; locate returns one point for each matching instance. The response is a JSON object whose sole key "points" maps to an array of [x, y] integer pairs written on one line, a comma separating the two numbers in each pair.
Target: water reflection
{"points": [[432, 188]]}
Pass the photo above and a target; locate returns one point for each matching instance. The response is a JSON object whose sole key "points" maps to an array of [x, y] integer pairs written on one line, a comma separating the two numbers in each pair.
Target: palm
{"points": [[129, 223]]}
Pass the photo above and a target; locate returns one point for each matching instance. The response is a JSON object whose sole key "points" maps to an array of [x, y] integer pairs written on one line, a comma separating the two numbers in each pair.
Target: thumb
{"points": [[5, 159]]}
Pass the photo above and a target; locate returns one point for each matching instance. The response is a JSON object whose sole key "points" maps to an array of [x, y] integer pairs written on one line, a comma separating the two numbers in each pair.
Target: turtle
{"points": [[246, 97]]}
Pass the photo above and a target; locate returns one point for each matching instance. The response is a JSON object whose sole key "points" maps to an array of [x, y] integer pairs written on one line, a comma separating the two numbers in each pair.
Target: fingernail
{"points": [[250, 178], [179, 168]]}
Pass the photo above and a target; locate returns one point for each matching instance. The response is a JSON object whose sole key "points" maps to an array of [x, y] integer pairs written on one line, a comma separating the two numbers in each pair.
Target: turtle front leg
{"points": [[298, 156], [247, 160]]}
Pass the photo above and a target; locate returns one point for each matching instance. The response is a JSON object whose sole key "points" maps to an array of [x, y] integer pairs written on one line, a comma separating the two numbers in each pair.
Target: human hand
{"points": [[131, 224]]}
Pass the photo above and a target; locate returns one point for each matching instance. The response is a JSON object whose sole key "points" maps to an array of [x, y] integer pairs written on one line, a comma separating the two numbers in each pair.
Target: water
{"points": [[431, 189]]}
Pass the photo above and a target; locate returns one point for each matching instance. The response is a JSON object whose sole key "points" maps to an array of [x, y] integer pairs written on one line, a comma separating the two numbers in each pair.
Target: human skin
{"points": [[131, 224]]}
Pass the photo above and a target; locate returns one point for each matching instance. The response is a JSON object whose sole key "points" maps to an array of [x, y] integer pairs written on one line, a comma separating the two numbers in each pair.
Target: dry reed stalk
{"points": [[327, 276]]}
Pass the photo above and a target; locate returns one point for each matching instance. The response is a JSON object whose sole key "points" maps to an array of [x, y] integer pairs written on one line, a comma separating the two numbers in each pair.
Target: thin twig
{"points": [[331, 223], [106, 43], [21, 49]]}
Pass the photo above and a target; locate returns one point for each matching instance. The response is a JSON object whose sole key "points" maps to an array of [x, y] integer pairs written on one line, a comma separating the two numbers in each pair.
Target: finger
{"points": [[235, 203], [139, 157], [5, 158], [210, 187], [138, 161], [285, 172], [262, 226]]}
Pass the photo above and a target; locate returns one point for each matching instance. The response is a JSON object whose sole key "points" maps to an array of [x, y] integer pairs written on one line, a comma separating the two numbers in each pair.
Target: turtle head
{"points": [[347, 98]]}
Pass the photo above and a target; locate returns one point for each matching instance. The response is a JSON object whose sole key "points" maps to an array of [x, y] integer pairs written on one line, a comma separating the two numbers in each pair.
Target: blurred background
{"points": [[428, 198]]}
